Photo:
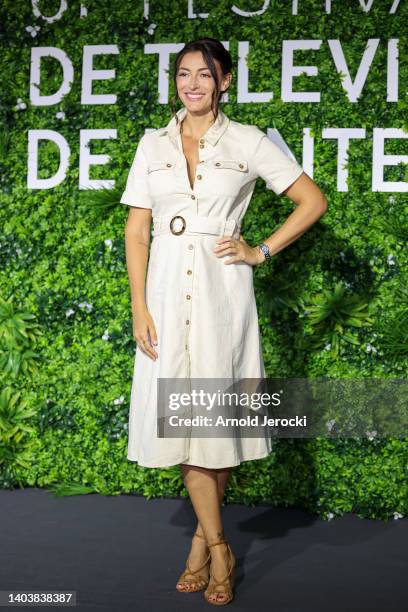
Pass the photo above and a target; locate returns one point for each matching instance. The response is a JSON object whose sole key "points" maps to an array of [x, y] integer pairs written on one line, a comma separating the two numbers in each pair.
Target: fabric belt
{"points": [[179, 225]]}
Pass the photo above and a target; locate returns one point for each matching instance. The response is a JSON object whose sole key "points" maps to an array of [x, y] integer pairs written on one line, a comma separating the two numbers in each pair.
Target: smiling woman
{"points": [[198, 318]]}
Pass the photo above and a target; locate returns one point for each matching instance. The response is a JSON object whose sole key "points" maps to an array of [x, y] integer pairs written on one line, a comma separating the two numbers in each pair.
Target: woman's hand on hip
{"points": [[144, 332], [239, 250]]}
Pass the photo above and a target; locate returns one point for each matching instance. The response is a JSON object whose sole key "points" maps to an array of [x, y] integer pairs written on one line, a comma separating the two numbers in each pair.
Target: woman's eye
{"points": [[182, 74]]}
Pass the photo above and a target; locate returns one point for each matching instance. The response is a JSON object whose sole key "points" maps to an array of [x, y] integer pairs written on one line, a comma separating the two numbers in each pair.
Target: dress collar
{"points": [[212, 135]]}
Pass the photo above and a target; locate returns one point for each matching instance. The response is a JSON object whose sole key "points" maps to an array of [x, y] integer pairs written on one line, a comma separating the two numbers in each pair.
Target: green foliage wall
{"points": [[65, 323]]}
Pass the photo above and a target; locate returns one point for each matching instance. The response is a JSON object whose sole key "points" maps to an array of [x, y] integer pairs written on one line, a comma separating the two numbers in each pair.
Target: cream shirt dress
{"points": [[204, 311]]}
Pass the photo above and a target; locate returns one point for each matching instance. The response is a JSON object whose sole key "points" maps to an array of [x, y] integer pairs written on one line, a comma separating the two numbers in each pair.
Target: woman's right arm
{"points": [[137, 243]]}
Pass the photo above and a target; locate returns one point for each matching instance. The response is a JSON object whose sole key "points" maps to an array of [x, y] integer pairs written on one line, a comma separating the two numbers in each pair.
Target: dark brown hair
{"points": [[211, 49]]}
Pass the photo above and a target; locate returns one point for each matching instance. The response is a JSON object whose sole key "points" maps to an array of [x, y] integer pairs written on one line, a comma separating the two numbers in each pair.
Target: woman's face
{"points": [[195, 83]]}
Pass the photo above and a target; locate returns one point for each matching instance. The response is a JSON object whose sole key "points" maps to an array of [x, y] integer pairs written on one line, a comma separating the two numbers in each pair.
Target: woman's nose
{"points": [[193, 82]]}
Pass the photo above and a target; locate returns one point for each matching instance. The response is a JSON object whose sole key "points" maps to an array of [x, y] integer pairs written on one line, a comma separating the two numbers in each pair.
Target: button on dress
{"points": [[204, 311]]}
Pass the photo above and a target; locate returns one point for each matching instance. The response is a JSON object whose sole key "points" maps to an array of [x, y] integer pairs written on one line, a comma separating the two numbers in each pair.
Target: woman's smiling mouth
{"points": [[191, 96]]}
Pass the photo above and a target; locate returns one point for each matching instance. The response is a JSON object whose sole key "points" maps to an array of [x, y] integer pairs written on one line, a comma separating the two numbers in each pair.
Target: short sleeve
{"points": [[136, 192], [270, 163]]}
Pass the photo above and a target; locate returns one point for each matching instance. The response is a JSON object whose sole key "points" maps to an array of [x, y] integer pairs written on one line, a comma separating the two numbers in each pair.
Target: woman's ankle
{"points": [[217, 538]]}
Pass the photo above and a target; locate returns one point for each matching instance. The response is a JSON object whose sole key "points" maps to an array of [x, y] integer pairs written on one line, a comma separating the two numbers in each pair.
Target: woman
{"points": [[198, 319]]}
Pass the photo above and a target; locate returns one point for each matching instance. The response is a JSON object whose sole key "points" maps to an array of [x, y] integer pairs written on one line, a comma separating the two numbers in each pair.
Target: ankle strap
{"points": [[216, 543]]}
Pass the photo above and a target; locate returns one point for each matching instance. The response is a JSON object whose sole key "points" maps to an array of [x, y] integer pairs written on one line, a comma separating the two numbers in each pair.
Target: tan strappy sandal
{"points": [[227, 583], [197, 581]]}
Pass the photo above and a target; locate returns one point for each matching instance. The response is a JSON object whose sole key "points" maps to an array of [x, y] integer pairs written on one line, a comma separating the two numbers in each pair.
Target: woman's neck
{"points": [[195, 126]]}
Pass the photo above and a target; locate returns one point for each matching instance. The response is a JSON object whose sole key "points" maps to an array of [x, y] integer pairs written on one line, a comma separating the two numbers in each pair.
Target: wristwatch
{"points": [[265, 250]]}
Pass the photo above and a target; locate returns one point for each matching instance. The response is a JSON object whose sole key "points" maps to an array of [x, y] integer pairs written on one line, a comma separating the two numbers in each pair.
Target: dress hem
{"points": [[170, 463]]}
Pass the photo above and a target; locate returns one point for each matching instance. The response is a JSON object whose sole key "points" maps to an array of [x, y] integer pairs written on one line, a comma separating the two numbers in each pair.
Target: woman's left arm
{"points": [[311, 204]]}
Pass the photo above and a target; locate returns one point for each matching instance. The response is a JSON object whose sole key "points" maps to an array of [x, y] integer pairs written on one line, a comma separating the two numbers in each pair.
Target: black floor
{"points": [[126, 553]]}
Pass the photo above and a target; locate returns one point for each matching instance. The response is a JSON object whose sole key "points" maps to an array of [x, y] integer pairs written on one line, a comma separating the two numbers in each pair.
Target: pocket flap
{"points": [[159, 164], [233, 164]]}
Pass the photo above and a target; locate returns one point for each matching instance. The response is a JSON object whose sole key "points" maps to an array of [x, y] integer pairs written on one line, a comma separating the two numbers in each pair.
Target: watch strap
{"points": [[265, 250]]}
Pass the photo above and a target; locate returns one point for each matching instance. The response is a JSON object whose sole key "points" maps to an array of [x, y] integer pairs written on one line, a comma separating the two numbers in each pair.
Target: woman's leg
{"points": [[199, 551], [222, 481], [204, 487]]}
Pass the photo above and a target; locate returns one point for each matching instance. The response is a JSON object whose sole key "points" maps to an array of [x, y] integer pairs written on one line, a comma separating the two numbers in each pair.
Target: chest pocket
{"points": [[159, 164], [229, 175], [160, 176], [231, 164]]}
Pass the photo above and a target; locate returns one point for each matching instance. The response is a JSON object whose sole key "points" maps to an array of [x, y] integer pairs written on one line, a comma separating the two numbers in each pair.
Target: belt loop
{"points": [[230, 226], [157, 225]]}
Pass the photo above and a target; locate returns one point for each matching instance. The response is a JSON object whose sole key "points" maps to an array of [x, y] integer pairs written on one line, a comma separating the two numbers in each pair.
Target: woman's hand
{"points": [[239, 249], [144, 332]]}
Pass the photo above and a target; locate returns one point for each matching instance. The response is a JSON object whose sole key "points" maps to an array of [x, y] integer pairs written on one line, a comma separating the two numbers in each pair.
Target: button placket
{"points": [[197, 180], [188, 295]]}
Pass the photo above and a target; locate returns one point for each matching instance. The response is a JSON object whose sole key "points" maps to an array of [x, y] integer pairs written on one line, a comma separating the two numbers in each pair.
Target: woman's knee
{"points": [[197, 474]]}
